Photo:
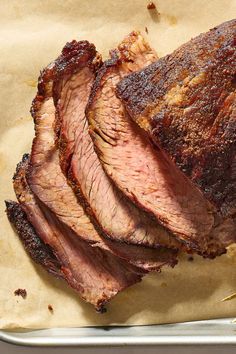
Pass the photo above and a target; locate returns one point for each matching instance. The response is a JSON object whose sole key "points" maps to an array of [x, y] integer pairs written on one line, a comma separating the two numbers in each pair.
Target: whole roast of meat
{"points": [[133, 161]]}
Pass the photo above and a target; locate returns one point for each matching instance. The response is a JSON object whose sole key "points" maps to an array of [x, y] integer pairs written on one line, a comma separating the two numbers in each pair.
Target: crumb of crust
{"points": [[164, 285], [21, 292], [151, 6], [146, 30], [50, 308], [190, 259], [101, 310]]}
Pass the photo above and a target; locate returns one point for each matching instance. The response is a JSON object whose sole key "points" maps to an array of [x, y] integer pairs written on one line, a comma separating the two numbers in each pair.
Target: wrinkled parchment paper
{"points": [[32, 33]]}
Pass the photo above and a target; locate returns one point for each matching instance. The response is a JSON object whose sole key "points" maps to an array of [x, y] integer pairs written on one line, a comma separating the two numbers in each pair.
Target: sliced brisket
{"points": [[83, 56], [187, 103], [142, 171], [142, 191], [49, 184], [96, 274], [115, 216]]}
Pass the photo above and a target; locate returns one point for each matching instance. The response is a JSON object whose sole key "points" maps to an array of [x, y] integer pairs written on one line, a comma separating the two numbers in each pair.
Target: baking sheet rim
{"points": [[113, 339]]}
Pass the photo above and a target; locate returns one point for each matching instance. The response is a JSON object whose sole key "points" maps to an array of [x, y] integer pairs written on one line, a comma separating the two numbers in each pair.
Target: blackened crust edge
{"points": [[34, 246]]}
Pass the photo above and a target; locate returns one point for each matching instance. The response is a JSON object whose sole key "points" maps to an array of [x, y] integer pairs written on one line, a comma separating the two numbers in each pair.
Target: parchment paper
{"points": [[32, 33]]}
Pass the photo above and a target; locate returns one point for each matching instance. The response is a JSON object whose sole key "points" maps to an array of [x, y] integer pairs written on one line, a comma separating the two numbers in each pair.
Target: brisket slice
{"points": [[83, 56], [142, 171], [187, 103], [49, 184], [96, 274], [34, 246], [114, 215]]}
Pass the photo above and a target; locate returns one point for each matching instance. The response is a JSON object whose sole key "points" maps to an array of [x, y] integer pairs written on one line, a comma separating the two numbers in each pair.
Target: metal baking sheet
{"points": [[211, 332]]}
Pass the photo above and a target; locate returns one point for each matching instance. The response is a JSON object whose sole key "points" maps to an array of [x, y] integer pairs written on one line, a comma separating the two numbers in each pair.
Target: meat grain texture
{"points": [[113, 214]]}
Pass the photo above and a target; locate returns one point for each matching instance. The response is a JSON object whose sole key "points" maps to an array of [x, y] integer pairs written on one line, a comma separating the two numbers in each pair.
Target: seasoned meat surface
{"points": [[187, 103], [34, 246]]}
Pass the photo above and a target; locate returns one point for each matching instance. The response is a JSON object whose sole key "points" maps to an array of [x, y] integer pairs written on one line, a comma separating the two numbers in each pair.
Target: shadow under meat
{"points": [[173, 295]]}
